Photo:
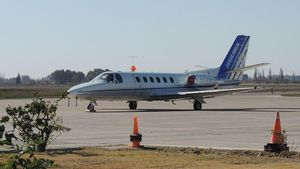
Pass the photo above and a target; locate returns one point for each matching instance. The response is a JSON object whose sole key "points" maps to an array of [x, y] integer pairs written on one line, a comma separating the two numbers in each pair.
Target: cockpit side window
{"points": [[110, 78]]}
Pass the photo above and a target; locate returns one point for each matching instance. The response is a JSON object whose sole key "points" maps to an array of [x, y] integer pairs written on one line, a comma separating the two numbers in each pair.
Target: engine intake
{"points": [[191, 80]]}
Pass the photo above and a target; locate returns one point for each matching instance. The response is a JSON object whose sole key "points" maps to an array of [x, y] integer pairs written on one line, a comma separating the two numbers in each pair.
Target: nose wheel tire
{"points": [[91, 108], [197, 105], [132, 105]]}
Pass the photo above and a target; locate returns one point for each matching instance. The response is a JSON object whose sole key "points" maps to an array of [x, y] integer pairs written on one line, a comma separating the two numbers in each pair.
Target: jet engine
{"points": [[191, 80]]}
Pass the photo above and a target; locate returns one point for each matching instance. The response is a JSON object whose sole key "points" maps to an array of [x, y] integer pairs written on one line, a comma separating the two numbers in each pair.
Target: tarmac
{"points": [[240, 121]]}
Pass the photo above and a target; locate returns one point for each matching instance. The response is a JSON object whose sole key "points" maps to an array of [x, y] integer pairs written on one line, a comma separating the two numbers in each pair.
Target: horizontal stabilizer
{"points": [[248, 67], [215, 91]]}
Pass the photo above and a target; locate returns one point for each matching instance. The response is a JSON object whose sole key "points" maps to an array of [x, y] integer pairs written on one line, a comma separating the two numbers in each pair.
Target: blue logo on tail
{"points": [[235, 58]]}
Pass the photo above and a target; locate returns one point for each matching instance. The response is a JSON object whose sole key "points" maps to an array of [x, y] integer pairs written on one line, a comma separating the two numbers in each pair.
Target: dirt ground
{"points": [[167, 157]]}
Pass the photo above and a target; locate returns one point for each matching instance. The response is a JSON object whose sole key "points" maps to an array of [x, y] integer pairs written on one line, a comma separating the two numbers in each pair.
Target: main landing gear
{"points": [[132, 105], [197, 105]]}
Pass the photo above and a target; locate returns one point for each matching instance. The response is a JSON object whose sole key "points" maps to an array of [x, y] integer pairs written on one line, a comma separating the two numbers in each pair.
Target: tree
{"points": [[77, 77], [263, 76], [18, 79], [27, 80], [245, 77], [92, 74], [281, 76], [2, 131], [2, 78], [22, 159], [68, 76], [259, 78], [36, 123], [255, 76], [294, 78], [270, 75]]}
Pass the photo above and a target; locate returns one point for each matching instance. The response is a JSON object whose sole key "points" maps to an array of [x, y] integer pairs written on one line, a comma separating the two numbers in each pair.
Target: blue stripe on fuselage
{"points": [[230, 83]]}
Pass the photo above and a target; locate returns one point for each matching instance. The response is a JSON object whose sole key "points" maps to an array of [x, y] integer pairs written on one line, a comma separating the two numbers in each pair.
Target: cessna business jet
{"points": [[136, 86]]}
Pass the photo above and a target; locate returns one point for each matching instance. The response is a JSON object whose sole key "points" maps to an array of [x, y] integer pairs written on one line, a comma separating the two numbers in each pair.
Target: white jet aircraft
{"points": [[136, 86]]}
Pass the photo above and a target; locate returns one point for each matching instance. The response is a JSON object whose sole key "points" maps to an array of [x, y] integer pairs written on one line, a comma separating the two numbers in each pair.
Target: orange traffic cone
{"points": [[277, 136], [136, 137], [278, 141]]}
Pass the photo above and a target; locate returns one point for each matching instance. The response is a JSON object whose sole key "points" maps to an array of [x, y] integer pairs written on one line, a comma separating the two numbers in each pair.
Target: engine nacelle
{"points": [[191, 80]]}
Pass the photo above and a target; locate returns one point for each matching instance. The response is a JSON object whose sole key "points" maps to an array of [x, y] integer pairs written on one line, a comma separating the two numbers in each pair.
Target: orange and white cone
{"points": [[136, 137], [278, 141]]}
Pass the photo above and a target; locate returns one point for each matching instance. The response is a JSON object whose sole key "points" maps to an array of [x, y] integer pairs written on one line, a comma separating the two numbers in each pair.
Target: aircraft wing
{"points": [[215, 91]]}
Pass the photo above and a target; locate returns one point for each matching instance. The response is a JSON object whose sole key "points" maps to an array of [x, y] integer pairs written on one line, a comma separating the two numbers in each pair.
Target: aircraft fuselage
{"points": [[145, 86]]}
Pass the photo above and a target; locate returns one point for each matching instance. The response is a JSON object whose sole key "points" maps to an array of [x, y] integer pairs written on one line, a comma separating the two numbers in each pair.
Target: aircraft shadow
{"points": [[139, 110], [261, 109]]}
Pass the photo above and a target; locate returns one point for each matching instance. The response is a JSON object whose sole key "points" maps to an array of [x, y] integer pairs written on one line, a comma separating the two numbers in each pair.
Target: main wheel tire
{"points": [[197, 105], [132, 105]]}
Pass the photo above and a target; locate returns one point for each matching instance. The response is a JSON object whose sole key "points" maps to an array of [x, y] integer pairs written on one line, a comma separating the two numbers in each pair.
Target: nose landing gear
{"points": [[91, 107], [132, 105]]}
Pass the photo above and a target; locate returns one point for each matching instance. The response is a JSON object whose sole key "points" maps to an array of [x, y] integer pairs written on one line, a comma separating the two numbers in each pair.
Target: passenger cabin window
{"points": [[151, 79], [165, 80], [171, 80], [158, 79], [145, 79], [118, 78], [138, 79]]}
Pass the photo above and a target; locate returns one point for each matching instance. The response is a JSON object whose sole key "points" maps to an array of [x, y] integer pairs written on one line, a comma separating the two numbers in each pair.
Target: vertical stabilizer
{"points": [[235, 58]]}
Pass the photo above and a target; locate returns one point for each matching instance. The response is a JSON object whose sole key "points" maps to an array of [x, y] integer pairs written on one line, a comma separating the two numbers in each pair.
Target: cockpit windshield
{"points": [[99, 77], [109, 78]]}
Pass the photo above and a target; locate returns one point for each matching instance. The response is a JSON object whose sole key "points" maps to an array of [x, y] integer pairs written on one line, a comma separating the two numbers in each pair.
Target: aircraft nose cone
{"points": [[76, 89], [72, 90]]}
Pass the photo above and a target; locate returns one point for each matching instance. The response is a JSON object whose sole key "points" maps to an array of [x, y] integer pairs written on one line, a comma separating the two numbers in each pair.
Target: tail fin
{"points": [[235, 58]]}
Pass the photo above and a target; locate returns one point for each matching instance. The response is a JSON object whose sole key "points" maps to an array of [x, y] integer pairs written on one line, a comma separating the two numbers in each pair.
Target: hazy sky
{"points": [[38, 37]]}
